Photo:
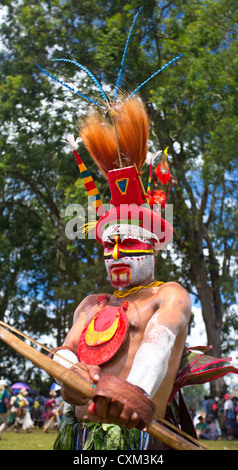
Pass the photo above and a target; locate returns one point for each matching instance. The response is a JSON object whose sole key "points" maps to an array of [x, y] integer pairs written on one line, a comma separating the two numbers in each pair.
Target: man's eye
{"points": [[108, 245], [129, 242]]}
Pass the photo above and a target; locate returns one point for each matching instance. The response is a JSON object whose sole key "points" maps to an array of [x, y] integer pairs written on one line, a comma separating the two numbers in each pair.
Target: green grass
{"points": [[221, 444], [35, 440], [40, 440]]}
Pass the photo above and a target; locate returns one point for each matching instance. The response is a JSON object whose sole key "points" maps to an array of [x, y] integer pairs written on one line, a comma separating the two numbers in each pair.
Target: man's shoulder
{"points": [[173, 286], [172, 293], [89, 301], [92, 298]]}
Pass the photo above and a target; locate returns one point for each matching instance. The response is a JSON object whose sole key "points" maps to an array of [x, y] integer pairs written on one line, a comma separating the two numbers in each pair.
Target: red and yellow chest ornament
{"points": [[104, 334]]}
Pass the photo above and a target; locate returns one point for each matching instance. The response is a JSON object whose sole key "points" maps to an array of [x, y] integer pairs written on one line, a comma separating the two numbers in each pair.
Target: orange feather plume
{"points": [[120, 140]]}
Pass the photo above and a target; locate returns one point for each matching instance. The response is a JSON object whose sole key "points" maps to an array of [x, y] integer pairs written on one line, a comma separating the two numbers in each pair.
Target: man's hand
{"points": [[90, 374], [108, 410], [119, 402]]}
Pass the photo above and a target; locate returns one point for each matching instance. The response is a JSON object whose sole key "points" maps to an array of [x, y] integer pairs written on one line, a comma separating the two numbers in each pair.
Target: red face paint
{"points": [[129, 247]]}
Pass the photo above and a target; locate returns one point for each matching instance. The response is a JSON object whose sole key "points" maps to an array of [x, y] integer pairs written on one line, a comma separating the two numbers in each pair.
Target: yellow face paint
{"points": [[115, 252], [127, 248]]}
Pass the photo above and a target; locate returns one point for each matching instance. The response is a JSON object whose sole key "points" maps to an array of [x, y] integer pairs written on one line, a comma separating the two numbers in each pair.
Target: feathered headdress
{"points": [[119, 138], [117, 141]]}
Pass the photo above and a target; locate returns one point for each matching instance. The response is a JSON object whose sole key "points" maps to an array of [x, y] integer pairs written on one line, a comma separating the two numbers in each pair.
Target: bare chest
{"points": [[139, 309], [115, 354]]}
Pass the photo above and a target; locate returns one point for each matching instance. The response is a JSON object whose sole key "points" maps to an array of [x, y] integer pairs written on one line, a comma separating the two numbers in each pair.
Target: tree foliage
{"points": [[193, 109]]}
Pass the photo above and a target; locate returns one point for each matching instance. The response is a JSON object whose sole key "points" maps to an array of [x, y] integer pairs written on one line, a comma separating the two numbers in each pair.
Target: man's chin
{"points": [[119, 285]]}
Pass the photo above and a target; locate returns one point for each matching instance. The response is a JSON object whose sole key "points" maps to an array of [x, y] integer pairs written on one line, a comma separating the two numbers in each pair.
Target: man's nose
{"points": [[115, 253]]}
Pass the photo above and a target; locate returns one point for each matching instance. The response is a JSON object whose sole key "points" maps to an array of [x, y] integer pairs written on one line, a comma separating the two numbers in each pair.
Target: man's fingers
{"points": [[114, 411], [92, 409], [125, 417], [69, 396], [133, 422], [94, 373], [102, 405]]}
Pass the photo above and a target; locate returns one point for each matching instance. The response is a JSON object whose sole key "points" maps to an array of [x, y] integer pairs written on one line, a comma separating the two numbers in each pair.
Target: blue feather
{"points": [[124, 54], [88, 73], [154, 74], [67, 86]]}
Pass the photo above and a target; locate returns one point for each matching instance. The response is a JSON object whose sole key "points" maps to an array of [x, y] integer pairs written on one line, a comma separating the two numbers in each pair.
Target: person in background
{"points": [[234, 424], [38, 410], [12, 410], [210, 432], [4, 405], [23, 418], [204, 403], [201, 425], [209, 407], [228, 415]]}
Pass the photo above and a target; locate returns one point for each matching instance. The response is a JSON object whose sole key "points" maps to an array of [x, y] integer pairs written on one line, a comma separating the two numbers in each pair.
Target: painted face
{"points": [[129, 260]]}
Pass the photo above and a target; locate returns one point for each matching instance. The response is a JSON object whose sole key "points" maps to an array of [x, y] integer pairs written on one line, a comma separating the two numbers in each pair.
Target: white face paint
{"points": [[128, 270], [140, 270]]}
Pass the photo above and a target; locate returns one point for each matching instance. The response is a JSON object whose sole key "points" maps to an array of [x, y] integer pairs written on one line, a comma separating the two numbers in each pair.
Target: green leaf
{"points": [[113, 437]]}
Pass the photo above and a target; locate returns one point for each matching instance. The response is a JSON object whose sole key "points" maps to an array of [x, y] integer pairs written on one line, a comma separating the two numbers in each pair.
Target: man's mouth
{"points": [[120, 275]]}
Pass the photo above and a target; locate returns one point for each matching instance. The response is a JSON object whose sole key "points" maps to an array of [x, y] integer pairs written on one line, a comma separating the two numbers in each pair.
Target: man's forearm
{"points": [[150, 364], [66, 357]]}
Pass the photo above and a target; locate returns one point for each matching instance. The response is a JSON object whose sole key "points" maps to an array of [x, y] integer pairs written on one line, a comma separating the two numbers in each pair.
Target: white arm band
{"points": [[150, 363], [60, 357]]}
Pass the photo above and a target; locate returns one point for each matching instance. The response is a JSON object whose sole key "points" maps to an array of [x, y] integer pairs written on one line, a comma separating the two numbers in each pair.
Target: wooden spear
{"points": [[78, 385]]}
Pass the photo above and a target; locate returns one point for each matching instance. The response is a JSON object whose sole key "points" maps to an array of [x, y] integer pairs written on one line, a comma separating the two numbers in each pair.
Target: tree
{"points": [[44, 275], [196, 115]]}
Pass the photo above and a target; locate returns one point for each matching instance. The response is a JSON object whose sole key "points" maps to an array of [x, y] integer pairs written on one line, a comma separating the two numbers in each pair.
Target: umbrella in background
{"points": [[19, 385]]}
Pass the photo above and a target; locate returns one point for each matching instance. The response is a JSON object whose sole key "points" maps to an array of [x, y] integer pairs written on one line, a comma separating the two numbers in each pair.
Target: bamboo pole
{"points": [[78, 385], [69, 378], [42, 346]]}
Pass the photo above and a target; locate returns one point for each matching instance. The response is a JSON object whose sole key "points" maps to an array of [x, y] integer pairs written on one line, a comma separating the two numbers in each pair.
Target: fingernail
{"points": [[97, 377]]}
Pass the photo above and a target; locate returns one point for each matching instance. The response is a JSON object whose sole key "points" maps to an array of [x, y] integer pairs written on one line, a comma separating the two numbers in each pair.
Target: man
{"points": [[228, 415], [158, 319], [150, 357], [137, 334]]}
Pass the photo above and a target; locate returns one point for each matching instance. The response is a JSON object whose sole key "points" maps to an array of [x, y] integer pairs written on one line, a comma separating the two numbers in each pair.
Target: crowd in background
{"points": [[23, 408], [220, 419]]}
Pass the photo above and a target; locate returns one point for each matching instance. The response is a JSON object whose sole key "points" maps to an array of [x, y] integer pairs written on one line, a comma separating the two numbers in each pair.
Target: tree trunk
{"points": [[212, 320], [205, 294]]}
